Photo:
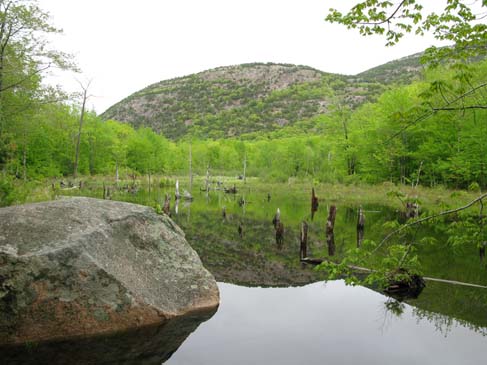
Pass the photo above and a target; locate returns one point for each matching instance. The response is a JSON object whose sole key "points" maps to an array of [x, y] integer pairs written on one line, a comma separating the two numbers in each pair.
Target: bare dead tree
{"points": [[85, 97]]}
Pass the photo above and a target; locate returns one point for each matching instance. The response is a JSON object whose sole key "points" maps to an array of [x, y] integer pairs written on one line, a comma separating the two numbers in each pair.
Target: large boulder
{"points": [[82, 267]]}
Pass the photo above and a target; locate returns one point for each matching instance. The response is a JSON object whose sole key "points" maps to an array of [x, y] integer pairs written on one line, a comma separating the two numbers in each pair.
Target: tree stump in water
{"points": [[360, 227], [240, 230], [412, 210], [304, 240], [279, 235], [314, 203], [276, 219], [330, 225], [167, 206], [106, 192], [482, 247]]}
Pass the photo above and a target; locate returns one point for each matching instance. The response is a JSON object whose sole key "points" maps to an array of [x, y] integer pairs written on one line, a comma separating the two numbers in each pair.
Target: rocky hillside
{"points": [[229, 101], [401, 71]]}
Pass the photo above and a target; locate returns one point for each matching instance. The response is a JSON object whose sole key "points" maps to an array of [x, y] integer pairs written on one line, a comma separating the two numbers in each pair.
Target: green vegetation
{"points": [[393, 126], [383, 141], [231, 101]]}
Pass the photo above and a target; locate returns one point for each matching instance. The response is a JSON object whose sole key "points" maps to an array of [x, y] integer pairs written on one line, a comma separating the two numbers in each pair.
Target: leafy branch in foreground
{"points": [[458, 22], [424, 219], [401, 263]]}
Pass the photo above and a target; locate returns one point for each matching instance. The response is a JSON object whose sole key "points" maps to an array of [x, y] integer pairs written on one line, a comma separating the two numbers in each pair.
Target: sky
{"points": [[123, 46]]}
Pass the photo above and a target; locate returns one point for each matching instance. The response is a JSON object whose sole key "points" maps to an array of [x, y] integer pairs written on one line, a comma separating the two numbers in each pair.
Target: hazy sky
{"points": [[124, 45]]}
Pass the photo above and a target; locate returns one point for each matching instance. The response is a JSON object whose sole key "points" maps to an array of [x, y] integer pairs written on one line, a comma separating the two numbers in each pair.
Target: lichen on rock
{"points": [[82, 267]]}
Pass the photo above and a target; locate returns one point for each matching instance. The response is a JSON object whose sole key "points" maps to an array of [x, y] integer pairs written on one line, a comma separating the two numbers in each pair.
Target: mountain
{"points": [[258, 97], [401, 71]]}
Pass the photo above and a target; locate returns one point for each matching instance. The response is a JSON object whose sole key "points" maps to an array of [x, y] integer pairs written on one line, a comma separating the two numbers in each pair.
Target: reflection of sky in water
{"points": [[322, 324]]}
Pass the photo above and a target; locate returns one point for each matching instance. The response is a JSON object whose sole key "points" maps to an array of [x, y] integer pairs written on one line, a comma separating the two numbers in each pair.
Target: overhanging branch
{"points": [[422, 220]]}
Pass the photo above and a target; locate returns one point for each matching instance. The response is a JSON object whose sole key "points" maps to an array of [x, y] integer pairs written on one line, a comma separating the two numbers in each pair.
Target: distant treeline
{"points": [[412, 134]]}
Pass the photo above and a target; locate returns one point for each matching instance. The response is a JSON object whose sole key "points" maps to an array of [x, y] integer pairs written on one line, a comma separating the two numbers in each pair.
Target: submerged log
{"points": [[330, 235], [403, 285], [360, 227], [230, 190], [312, 260]]}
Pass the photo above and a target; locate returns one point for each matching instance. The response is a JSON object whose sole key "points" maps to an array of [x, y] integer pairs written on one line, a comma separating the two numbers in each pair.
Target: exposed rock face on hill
{"points": [[84, 267], [230, 101], [234, 100], [401, 71]]}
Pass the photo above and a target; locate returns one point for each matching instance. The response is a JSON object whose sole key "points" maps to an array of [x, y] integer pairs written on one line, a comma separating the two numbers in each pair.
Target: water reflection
{"points": [[324, 323], [249, 256], [147, 345]]}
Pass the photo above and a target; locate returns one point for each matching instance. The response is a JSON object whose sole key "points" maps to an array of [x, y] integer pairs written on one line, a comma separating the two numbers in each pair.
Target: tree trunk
{"points": [[360, 227], [330, 225], [304, 240], [78, 139], [245, 169], [207, 181], [149, 183], [24, 159], [190, 169], [314, 203]]}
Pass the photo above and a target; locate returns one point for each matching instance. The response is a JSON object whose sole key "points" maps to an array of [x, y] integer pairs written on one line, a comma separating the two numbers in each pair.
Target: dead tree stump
{"points": [[276, 219], [240, 229], [279, 235], [330, 225], [314, 203], [360, 227], [106, 192], [304, 240], [412, 210], [167, 206]]}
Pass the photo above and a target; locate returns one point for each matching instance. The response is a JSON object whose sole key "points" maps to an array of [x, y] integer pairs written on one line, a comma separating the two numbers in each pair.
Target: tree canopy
{"points": [[458, 22]]}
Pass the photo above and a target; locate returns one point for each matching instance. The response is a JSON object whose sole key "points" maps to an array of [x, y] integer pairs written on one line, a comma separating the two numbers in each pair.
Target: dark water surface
{"points": [[303, 323], [325, 323]]}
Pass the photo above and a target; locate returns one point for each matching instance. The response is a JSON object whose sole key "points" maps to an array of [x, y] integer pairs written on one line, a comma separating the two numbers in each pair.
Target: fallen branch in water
{"points": [[314, 261]]}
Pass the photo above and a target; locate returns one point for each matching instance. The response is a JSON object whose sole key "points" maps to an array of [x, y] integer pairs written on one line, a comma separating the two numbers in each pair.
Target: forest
{"points": [[405, 137]]}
